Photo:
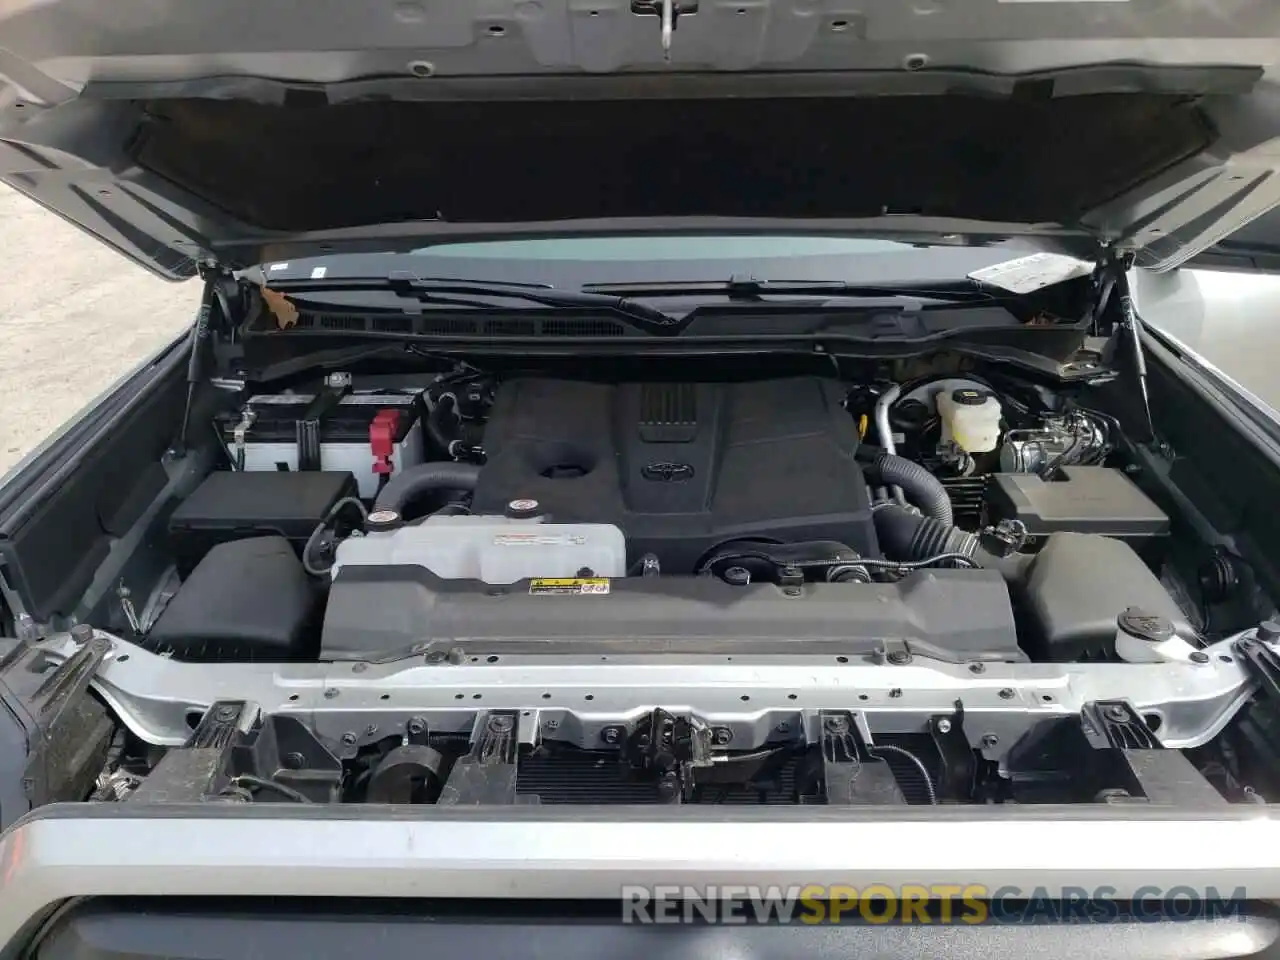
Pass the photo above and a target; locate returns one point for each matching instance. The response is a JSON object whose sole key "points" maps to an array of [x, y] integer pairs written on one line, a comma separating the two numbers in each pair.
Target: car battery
{"points": [[370, 434]]}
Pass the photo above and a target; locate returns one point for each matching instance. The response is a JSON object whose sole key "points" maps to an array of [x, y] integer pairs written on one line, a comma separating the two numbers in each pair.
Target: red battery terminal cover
{"points": [[382, 440]]}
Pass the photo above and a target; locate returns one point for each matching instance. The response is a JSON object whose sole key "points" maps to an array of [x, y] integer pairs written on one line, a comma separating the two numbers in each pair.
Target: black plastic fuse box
{"points": [[1079, 500], [238, 505]]}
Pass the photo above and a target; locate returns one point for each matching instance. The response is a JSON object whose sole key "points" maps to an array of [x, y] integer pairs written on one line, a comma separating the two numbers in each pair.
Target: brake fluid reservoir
{"points": [[970, 419]]}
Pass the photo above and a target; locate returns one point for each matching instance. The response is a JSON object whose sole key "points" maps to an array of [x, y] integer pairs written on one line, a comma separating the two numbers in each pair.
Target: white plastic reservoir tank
{"points": [[492, 549]]}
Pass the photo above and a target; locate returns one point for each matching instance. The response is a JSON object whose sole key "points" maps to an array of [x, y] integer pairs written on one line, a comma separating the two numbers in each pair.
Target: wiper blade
{"points": [[749, 289], [484, 293]]}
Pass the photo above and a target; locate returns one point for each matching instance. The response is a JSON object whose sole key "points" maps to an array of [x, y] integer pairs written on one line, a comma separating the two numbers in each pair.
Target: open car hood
{"points": [[251, 130]]}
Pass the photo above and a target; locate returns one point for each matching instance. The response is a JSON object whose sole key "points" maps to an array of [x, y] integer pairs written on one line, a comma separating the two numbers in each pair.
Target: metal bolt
{"points": [[82, 633], [552, 724], [610, 734], [349, 738], [1199, 656], [899, 656], [226, 713], [791, 591], [1116, 713], [722, 735], [360, 668], [895, 692], [436, 656], [1111, 793], [1006, 694], [294, 761], [783, 727], [738, 576], [977, 668], [944, 725], [501, 723], [416, 725], [331, 693], [837, 724], [990, 739], [456, 655]]}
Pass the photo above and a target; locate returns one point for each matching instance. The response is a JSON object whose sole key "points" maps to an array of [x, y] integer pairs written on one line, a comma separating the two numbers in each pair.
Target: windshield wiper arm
{"points": [[482, 293], [749, 289]]}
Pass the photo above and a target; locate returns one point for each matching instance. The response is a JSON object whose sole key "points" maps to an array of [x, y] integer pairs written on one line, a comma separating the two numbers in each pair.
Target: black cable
{"points": [[924, 771], [314, 540], [262, 783], [917, 564], [347, 502]]}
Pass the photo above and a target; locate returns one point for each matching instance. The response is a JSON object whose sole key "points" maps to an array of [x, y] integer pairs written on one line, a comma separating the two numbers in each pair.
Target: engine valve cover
{"points": [[681, 468]]}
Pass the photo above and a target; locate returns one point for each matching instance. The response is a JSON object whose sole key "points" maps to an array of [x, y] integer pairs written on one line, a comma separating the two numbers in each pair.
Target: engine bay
{"points": [[511, 585], [688, 516], [519, 588]]}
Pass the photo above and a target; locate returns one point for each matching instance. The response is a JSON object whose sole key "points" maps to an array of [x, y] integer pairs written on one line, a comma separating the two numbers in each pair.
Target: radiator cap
{"points": [[523, 509]]}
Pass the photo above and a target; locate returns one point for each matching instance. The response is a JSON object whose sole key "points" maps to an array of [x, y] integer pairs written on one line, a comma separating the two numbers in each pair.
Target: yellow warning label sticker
{"points": [[570, 586]]}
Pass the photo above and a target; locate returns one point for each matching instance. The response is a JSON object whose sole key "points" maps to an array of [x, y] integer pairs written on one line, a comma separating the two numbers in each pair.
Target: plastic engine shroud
{"points": [[681, 468]]}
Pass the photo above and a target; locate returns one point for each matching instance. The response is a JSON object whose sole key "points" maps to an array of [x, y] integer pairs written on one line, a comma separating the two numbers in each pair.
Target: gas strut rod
{"points": [[195, 358], [1130, 321]]}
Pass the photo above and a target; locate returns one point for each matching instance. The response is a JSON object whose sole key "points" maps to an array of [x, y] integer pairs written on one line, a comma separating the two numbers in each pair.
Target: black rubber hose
{"points": [[413, 482], [921, 487], [447, 430], [442, 424], [906, 535]]}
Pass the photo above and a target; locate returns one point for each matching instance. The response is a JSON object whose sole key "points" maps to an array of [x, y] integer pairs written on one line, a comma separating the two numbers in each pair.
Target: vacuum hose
{"points": [[447, 430], [921, 486], [413, 482]]}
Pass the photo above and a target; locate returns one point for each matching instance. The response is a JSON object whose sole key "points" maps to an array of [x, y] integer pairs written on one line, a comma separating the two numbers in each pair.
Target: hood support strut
{"points": [[1111, 275]]}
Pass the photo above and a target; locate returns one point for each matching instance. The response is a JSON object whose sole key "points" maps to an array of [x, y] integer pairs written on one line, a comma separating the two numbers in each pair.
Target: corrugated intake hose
{"points": [[920, 486], [906, 535], [424, 478]]}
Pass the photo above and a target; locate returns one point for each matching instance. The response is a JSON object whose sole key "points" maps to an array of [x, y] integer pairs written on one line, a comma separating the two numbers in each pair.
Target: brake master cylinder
{"points": [[970, 419]]}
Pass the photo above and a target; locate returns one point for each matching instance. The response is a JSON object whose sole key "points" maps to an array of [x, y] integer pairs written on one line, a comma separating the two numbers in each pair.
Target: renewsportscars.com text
{"points": [[917, 903]]}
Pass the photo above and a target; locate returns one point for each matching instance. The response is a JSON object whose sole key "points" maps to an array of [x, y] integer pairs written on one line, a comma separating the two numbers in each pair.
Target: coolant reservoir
{"points": [[491, 549], [970, 419]]}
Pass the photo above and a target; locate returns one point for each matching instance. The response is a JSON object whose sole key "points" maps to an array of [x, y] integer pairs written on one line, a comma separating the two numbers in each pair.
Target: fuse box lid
{"points": [[1079, 499]]}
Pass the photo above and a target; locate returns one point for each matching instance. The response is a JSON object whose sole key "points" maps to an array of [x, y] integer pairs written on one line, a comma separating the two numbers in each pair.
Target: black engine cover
{"points": [[681, 468]]}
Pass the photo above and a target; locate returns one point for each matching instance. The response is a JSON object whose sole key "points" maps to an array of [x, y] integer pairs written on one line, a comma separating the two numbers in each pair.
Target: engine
{"points": [[680, 468], [688, 516]]}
